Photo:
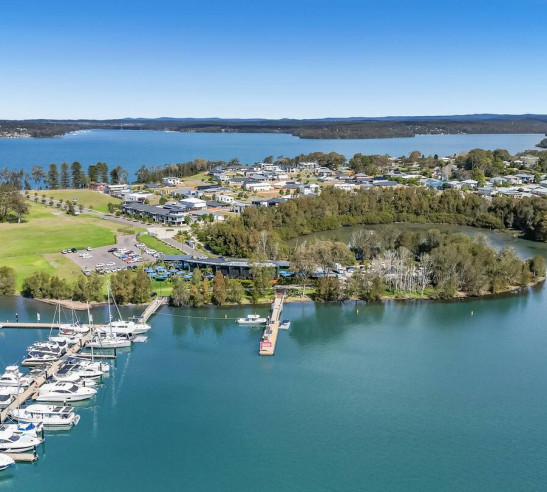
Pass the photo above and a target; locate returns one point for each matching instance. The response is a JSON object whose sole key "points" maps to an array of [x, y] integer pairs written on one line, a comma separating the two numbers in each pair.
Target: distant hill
{"points": [[337, 128]]}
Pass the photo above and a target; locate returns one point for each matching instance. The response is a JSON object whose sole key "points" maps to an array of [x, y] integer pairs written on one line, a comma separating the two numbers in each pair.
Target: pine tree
{"points": [[78, 177], [65, 176], [53, 177]]}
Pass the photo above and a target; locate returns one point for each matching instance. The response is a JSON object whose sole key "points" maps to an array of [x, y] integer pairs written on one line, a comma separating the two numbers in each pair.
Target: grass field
{"points": [[156, 244], [36, 244], [98, 201]]}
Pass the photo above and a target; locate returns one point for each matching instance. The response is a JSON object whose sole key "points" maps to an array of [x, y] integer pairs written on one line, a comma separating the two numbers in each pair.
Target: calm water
{"points": [[417, 396], [132, 149]]}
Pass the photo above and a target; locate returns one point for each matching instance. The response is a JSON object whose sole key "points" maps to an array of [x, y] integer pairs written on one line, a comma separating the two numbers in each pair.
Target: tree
{"points": [[7, 281], [11, 202], [141, 288], [234, 290], [38, 175], [65, 176], [53, 177], [93, 173], [261, 275], [121, 286], [537, 266], [205, 291], [78, 177], [180, 295], [118, 175], [219, 289]]}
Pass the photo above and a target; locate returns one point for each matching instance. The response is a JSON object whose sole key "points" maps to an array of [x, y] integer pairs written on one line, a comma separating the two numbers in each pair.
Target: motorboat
{"points": [[285, 324], [79, 371], [13, 377], [11, 442], [6, 399], [109, 341], [252, 319], [103, 367], [64, 392], [50, 416], [24, 429], [37, 358], [121, 327], [12, 390], [5, 461], [72, 329], [46, 348], [74, 378]]}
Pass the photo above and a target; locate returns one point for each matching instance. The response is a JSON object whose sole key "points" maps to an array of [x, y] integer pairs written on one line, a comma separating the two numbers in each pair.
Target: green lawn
{"points": [[156, 244], [35, 245], [87, 198]]}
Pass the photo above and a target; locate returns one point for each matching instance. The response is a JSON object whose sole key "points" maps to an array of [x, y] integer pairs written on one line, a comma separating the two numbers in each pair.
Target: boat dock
{"points": [[37, 326], [40, 380], [152, 308], [269, 339], [23, 457]]}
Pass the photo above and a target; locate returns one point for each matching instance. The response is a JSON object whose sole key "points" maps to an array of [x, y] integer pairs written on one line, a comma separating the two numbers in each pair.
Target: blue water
{"points": [[420, 396], [132, 149]]}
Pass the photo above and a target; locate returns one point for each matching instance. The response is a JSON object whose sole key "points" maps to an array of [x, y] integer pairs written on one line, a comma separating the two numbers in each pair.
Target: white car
{"points": [[88, 248], [110, 263], [99, 265]]}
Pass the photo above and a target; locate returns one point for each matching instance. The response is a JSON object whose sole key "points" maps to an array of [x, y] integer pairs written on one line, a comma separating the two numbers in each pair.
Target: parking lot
{"points": [[104, 261]]}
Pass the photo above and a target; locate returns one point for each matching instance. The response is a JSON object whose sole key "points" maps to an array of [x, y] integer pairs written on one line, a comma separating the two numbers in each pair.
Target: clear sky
{"points": [[271, 59]]}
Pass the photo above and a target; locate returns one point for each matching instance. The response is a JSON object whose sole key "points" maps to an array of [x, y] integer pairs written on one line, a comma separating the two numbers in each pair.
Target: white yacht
{"points": [[12, 390], [252, 319], [285, 324], [37, 358], [10, 442], [6, 399], [13, 377], [74, 378], [72, 328], [64, 392], [109, 341], [78, 362], [51, 416], [121, 327], [51, 348], [5, 461], [24, 429]]}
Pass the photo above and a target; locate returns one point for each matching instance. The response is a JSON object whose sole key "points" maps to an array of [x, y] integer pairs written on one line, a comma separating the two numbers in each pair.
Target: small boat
{"points": [[63, 392], [73, 328], [6, 399], [24, 429], [12, 390], [252, 319], [74, 378], [285, 324], [47, 348], [81, 372], [13, 377], [51, 416], [5, 461], [73, 362], [109, 341], [11, 442], [37, 358]]}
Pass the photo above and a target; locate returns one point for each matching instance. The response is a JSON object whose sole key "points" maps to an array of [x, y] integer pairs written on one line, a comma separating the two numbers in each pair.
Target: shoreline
{"points": [[82, 306]]}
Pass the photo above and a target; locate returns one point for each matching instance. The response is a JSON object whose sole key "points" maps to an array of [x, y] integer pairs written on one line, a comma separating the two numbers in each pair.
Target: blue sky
{"points": [[271, 59]]}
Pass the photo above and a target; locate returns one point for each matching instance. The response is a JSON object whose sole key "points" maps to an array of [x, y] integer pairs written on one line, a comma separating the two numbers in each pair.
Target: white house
{"points": [[307, 165], [194, 203], [238, 207], [308, 189], [258, 186], [345, 186], [137, 196], [225, 199], [170, 181]]}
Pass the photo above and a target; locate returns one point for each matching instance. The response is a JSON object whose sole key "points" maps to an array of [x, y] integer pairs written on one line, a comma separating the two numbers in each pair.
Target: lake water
{"points": [[132, 149], [420, 396]]}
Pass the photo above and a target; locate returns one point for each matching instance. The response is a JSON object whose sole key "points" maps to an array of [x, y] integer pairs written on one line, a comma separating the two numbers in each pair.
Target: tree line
{"points": [[333, 208]]}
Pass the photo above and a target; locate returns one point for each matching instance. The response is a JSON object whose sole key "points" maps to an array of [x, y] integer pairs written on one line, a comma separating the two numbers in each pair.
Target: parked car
{"points": [[64, 251], [74, 250]]}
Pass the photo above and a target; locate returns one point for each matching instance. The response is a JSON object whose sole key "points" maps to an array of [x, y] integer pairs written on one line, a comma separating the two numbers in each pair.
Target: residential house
{"points": [[170, 181]]}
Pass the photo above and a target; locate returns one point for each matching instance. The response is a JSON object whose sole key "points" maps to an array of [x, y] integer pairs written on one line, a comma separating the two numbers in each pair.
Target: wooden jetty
{"points": [[40, 380], [23, 457], [24, 324], [269, 338], [152, 308]]}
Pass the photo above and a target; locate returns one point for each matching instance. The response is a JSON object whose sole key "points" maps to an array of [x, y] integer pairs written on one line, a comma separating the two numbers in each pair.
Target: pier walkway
{"points": [[269, 339], [40, 380], [152, 308], [37, 326]]}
